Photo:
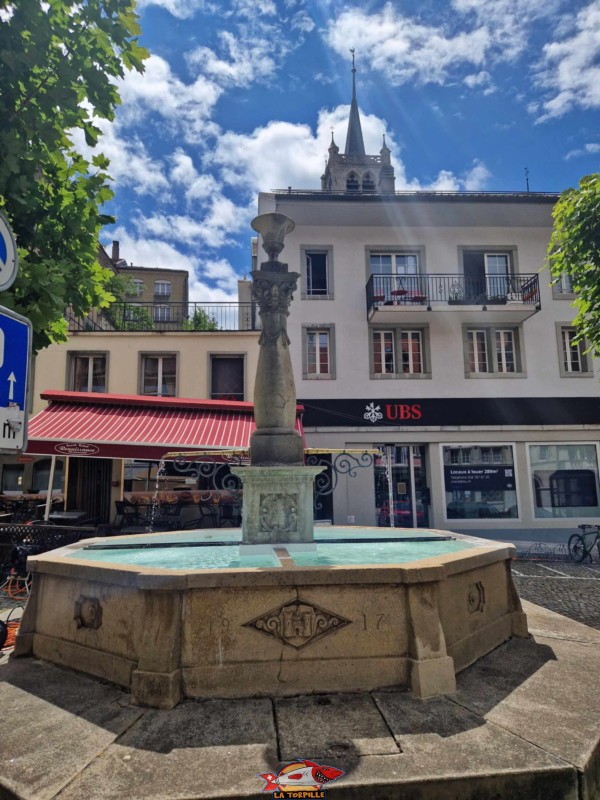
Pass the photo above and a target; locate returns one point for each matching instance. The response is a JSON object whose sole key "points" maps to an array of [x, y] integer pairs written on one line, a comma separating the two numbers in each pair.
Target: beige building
{"points": [[154, 345], [426, 325]]}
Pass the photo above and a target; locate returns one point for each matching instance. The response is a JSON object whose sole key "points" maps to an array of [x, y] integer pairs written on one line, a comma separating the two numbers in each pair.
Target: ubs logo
{"points": [[394, 412]]}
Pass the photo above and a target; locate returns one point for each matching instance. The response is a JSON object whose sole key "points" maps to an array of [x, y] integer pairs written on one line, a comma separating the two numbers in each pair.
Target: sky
{"points": [[242, 96]]}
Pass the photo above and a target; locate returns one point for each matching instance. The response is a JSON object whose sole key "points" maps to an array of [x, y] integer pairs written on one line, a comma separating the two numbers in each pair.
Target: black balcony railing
{"points": [[164, 316], [460, 290]]}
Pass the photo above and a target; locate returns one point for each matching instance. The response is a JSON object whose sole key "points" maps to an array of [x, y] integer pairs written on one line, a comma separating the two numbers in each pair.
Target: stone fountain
{"points": [[286, 610]]}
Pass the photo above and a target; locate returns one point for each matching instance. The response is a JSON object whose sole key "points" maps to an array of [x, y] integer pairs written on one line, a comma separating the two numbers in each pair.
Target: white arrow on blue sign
{"points": [[15, 361], [8, 255]]}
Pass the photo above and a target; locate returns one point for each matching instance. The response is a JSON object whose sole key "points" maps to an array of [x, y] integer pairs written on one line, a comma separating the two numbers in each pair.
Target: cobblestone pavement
{"points": [[569, 589]]}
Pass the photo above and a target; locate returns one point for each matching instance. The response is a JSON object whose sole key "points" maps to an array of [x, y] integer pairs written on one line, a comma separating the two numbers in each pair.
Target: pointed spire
{"points": [[333, 148], [354, 140]]}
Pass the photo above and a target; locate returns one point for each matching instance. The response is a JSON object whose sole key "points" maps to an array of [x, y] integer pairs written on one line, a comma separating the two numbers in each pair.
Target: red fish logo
{"points": [[301, 777]]}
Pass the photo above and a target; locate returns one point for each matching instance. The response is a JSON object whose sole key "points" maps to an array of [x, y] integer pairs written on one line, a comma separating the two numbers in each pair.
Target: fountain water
{"points": [[198, 615]]}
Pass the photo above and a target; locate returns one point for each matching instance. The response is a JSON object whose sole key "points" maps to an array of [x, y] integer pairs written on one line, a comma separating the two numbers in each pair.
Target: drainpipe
{"points": [[49, 494]]}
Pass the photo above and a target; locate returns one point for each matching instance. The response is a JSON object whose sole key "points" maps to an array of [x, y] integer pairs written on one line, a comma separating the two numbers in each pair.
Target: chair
{"points": [[231, 513], [127, 515], [208, 511]]}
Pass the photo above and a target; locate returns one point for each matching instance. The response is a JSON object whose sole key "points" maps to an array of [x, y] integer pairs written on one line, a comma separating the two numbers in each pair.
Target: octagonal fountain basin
{"points": [[197, 614]]}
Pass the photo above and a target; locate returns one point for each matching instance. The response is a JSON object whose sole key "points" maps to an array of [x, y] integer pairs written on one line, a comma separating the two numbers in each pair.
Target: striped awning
{"points": [[135, 426]]}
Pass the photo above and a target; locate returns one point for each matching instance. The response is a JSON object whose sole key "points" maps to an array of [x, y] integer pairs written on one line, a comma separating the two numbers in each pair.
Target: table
{"points": [[72, 517]]}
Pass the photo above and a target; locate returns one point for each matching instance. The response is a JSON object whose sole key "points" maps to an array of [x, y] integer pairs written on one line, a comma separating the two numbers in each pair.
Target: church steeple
{"points": [[354, 140], [354, 171]]}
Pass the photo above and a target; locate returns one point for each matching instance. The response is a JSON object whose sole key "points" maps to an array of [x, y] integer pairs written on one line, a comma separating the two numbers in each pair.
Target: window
{"points": [[87, 372], [394, 263], [573, 359], [12, 478], [135, 288], [41, 475], [480, 482], [398, 352], [318, 352], [227, 377], [317, 272], [368, 183], [563, 285], [352, 183], [565, 480], [487, 274], [162, 313], [491, 350], [162, 288], [159, 375]]}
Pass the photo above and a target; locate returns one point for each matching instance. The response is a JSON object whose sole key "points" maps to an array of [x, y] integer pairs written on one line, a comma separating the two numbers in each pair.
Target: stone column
{"points": [[275, 441]]}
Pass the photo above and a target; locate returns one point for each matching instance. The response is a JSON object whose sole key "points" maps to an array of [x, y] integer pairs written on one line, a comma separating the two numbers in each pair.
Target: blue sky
{"points": [[241, 96]]}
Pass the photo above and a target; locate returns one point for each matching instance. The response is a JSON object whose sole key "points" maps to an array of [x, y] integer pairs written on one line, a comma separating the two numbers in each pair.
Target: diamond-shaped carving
{"points": [[476, 597], [298, 623]]}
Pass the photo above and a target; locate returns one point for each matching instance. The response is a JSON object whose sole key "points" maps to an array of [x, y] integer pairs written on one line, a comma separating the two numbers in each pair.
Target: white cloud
{"points": [[182, 106], [482, 78], [477, 177], [152, 252], [570, 71], [196, 186], [406, 50], [589, 149], [244, 60], [178, 8], [130, 163]]}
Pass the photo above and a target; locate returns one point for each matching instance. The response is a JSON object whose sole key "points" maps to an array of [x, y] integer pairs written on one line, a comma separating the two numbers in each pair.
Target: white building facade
{"points": [[425, 325]]}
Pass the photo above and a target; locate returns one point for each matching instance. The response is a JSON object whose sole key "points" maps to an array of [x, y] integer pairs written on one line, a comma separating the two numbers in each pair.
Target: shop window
{"points": [[87, 372], [317, 275], [574, 360], [12, 478], [565, 480], [480, 482], [159, 375], [41, 475], [398, 352], [490, 350], [227, 377], [318, 352]]}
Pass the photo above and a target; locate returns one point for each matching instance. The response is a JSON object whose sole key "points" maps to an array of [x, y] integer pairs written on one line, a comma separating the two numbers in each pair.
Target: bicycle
{"points": [[582, 544]]}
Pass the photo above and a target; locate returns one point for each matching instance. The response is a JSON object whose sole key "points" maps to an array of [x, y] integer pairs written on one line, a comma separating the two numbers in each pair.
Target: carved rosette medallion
{"points": [[88, 612], [279, 513], [298, 624], [476, 597]]}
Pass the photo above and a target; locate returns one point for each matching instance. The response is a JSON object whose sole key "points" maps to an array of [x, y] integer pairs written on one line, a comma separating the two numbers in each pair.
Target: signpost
{"points": [[15, 368]]}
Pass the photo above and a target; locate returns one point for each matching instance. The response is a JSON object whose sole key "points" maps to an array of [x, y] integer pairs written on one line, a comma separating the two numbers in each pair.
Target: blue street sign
{"points": [[15, 358], [8, 254]]}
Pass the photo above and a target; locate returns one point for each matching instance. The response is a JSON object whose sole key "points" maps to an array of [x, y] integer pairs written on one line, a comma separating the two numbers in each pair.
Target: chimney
{"points": [[115, 252]]}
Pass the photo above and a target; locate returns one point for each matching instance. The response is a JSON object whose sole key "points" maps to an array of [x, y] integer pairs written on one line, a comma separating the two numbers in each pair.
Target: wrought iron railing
{"points": [[452, 289], [166, 316]]}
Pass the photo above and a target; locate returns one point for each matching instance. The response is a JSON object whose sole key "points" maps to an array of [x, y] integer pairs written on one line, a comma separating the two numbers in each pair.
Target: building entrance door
{"points": [[401, 485]]}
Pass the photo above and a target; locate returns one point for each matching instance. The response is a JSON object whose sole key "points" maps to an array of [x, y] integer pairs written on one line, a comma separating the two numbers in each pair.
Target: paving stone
{"points": [[197, 750], [54, 723], [439, 738], [542, 691], [319, 727]]}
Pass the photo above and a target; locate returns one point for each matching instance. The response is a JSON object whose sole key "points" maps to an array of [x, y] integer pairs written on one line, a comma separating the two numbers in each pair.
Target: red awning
{"points": [[134, 426]]}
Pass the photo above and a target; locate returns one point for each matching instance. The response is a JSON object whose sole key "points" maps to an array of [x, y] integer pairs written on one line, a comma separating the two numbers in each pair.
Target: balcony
{"points": [[133, 317], [394, 299]]}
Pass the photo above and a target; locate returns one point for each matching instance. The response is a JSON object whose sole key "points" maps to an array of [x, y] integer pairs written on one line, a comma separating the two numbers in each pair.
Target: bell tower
{"points": [[355, 171]]}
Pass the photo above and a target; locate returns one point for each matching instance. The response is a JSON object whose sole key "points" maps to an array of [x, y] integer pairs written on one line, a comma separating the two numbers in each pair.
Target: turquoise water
{"points": [[180, 557], [193, 549], [363, 553]]}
